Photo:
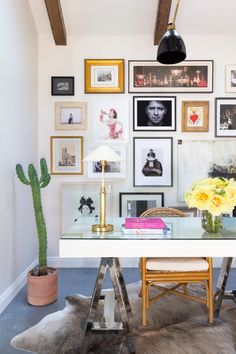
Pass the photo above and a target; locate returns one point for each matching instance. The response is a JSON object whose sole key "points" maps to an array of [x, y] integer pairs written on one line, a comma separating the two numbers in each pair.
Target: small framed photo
{"points": [[116, 169], [111, 121], [187, 76], [66, 155], [190, 212], [195, 116], [154, 113], [134, 204], [71, 115], [153, 162], [104, 75], [62, 85], [230, 78], [225, 117], [79, 200]]}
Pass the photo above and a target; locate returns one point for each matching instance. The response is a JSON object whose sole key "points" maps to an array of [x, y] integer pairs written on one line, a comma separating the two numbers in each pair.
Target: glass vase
{"points": [[211, 223]]}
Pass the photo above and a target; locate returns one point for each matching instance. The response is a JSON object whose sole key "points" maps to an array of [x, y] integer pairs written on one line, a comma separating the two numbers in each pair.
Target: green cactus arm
{"points": [[21, 175], [45, 176]]}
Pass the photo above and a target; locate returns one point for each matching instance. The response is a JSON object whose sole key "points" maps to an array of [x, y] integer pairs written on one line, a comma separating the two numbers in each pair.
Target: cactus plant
{"points": [[36, 184]]}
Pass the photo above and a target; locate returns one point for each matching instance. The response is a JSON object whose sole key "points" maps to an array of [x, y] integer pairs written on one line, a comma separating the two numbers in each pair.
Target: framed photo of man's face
{"points": [[134, 204], [154, 113], [153, 165], [225, 117]]}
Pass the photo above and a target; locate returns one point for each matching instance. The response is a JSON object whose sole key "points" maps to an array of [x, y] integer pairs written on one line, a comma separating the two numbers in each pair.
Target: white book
{"points": [[165, 231]]}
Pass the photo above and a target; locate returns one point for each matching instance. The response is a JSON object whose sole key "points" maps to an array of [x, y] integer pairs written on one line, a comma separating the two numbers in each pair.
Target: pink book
{"points": [[144, 223]]}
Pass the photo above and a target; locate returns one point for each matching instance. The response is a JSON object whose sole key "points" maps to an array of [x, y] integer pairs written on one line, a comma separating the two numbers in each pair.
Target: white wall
{"points": [[69, 61], [18, 138]]}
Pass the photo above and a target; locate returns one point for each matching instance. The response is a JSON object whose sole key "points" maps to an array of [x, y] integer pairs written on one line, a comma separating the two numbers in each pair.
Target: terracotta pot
{"points": [[42, 290]]}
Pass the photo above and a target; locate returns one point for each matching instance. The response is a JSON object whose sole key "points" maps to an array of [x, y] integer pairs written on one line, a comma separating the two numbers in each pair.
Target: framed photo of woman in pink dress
{"points": [[111, 121]]}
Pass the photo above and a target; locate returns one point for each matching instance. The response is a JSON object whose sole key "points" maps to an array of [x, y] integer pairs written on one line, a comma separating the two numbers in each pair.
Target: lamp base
{"points": [[100, 228]]}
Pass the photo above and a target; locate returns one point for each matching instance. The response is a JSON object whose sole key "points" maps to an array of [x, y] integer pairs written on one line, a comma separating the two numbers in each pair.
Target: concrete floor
{"points": [[19, 315]]}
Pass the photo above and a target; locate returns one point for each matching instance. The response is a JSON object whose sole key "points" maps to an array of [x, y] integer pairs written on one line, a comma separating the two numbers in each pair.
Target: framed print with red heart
{"points": [[195, 116]]}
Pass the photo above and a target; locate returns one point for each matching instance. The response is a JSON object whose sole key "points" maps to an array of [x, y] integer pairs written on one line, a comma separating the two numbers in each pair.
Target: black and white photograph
{"points": [[79, 200], [154, 113], [62, 85], [153, 161], [230, 78], [225, 117], [134, 204], [71, 115]]}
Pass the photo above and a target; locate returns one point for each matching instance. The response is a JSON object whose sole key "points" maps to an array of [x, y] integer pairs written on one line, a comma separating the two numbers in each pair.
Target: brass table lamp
{"points": [[103, 154]]}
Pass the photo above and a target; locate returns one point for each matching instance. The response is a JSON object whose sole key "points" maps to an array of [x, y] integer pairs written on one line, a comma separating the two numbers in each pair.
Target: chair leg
{"points": [[210, 301], [144, 304]]}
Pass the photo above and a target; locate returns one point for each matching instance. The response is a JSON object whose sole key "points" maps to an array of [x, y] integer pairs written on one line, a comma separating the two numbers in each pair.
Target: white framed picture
{"points": [[79, 200], [111, 121], [113, 169], [230, 78], [70, 115]]}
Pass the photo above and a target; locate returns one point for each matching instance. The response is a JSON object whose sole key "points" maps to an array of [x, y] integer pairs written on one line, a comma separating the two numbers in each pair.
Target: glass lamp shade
{"points": [[171, 49], [103, 153]]}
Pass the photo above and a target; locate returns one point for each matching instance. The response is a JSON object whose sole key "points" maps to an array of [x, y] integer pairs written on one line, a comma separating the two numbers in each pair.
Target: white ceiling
{"points": [[137, 17]]}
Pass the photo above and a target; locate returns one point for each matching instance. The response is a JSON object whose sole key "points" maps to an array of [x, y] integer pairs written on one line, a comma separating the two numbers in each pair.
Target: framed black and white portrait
{"points": [[225, 117], [154, 113], [134, 204], [153, 162]]}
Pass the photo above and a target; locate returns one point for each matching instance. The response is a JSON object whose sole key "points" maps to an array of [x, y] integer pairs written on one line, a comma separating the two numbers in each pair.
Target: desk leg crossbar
{"points": [[122, 300]]}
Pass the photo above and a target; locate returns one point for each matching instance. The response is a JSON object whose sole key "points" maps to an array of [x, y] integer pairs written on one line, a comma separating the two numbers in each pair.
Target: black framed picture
{"points": [[154, 113], [62, 85], [134, 204], [153, 162], [225, 117]]}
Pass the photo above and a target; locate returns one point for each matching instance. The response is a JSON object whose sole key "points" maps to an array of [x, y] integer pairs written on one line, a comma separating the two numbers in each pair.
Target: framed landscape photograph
{"points": [[111, 121], [66, 154], [187, 76], [115, 169], [230, 78], [195, 116], [154, 113], [62, 85], [153, 162], [104, 75], [134, 204], [79, 200], [71, 115], [225, 117]]}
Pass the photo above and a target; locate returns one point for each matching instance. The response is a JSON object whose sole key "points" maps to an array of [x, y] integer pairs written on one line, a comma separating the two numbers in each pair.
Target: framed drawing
{"points": [[80, 200], [134, 204], [188, 76], [212, 158], [153, 162], [191, 212], [195, 116], [104, 75], [230, 78], [225, 117], [111, 121], [71, 115], [154, 113], [62, 85], [115, 169], [66, 155]]}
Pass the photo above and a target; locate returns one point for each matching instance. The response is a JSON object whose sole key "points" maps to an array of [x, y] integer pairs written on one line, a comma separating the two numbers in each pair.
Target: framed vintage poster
{"points": [[187, 76], [153, 162], [111, 121], [104, 75], [195, 116], [225, 117], [134, 204], [71, 115], [154, 113], [230, 78], [114, 169], [66, 155], [80, 200], [62, 85]]}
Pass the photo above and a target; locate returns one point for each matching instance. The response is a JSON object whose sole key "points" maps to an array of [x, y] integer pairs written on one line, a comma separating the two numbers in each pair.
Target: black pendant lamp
{"points": [[171, 49]]}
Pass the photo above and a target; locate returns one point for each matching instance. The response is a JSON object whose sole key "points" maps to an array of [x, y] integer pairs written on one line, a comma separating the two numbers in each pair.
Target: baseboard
{"points": [[14, 288]]}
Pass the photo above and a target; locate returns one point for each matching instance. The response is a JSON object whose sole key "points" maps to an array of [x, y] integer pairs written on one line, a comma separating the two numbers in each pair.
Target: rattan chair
{"points": [[175, 271]]}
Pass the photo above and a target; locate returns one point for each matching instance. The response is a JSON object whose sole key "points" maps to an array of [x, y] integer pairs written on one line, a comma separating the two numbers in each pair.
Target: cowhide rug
{"points": [[175, 326]]}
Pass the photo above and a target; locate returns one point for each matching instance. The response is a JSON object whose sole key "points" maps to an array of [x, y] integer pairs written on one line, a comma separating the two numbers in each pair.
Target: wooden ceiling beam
{"points": [[56, 21], [162, 19]]}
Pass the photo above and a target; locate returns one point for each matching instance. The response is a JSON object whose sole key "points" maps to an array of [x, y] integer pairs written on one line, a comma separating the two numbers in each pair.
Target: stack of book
{"points": [[151, 226]]}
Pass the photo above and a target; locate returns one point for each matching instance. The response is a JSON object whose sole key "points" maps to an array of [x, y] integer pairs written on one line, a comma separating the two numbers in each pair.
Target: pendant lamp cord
{"points": [[176, 10]]}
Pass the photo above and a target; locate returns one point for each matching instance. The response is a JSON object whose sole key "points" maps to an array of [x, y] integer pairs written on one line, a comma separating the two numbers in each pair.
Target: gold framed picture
{"points": [[195, 116], [71, 115], [104, 75]]}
